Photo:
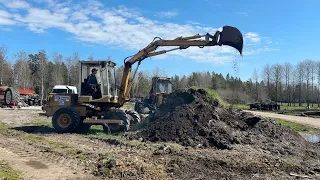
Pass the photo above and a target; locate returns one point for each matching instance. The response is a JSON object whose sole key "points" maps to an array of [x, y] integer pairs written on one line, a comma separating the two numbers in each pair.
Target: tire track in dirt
{"points": [[40, 163], [93, 145]]}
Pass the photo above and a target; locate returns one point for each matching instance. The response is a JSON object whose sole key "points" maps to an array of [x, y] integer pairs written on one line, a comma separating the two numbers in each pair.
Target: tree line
{"points": [[285, 83], [288, 83]]}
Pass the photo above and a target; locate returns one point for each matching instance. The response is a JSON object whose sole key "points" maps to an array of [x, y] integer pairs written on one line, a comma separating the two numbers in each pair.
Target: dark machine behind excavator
{"points": [[161, 87]]}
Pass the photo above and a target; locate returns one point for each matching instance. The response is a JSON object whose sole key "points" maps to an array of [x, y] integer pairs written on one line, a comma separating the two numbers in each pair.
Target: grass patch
{"points": [[212, 94], [240, 106], [3, 126], [33, 138], [282, 107], [6, 172], [56, 144], [113, 165], [39, 123], [36, 139], [298, 127]]}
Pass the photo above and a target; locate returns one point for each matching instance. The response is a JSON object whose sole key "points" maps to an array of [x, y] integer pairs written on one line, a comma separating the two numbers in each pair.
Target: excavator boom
{"points": [[229, 35]]}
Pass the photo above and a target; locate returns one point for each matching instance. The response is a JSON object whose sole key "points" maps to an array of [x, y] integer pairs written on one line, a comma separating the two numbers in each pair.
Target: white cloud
{"points": [[92, 23], [259, 50], [15, 4], [242, 13], [4, 14], [167, 14], [5, 21], [5, 18], [268, 42], [252, 37]]}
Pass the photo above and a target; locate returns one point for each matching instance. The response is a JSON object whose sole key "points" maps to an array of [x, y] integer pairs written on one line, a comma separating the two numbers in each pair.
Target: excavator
{"points": [[77, 112], [161, 87]]}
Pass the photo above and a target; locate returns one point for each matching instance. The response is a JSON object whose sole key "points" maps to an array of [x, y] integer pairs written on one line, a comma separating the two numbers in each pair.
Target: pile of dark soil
{"points": [[193, 117]]}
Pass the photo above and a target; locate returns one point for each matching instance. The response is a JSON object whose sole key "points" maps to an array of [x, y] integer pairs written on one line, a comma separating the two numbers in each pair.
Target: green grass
{"points": [[240, 106], [212, 94], [6, 172], [39, 123], [3, 126], [282, 107], [298, 127]]}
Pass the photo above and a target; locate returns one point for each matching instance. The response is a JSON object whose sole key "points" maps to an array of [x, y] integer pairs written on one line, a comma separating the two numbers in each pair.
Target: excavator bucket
{"points": [[231, 36]]}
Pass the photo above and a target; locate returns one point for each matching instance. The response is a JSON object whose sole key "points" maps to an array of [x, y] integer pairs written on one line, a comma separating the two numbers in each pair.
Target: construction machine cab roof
{"points": [[105, 77]]}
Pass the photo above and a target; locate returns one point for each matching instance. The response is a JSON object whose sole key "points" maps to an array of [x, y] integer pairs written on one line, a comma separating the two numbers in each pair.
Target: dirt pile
{"points": [[193, 117]]}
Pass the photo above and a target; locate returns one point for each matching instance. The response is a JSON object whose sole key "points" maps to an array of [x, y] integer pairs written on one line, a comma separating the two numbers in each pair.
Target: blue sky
{"points": [[274, 31]]}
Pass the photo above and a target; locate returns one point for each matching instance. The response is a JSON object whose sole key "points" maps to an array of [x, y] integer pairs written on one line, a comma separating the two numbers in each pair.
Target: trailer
{"points": [[267, 106]]}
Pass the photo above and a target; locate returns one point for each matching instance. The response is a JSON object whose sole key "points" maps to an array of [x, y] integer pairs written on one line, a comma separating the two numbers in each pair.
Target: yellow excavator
{"points": [[161, 87], [77, 112]]}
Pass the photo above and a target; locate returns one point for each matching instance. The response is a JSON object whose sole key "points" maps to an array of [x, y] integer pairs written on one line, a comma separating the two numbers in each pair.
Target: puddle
{"points": [[314, 138], [37, 165]]}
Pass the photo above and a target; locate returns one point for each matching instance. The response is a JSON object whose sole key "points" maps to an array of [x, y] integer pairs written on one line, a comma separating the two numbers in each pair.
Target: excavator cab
{"points": [[161, 87], [106, 89]]}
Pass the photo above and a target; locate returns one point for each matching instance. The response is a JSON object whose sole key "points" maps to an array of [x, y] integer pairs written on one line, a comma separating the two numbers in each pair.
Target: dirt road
{"points": [[315, 122]]}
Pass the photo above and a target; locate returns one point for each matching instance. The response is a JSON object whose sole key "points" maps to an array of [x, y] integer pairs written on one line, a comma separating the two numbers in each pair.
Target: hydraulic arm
{"points": [[229, 35]]}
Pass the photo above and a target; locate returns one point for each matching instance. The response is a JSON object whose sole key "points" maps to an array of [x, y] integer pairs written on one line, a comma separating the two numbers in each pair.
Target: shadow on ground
{"points": [[35, 129]]}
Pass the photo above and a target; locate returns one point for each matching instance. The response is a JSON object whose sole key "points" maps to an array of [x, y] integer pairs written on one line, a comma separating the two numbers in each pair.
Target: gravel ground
{"points": [[17, 117], [315, 122]]}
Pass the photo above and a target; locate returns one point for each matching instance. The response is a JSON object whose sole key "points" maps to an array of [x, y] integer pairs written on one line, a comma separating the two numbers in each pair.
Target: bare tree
{"points": [[69, 66], [312, 69], [22, 71], [43, 60], [277, 76], [255, 78], [3, 60], [318, 92], [300, 77], [57, 59], [308, 71], [293, 83], [91, 58], [287, 73], [74, 72], [266, 74]]}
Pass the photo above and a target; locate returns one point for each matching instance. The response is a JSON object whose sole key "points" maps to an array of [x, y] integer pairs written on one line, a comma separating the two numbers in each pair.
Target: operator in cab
{"points": [[93, 84], [92, 79]]}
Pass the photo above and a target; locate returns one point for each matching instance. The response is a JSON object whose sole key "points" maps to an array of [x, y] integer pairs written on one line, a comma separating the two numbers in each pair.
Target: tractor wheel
{"points": [[117, 114], [31, 103], [11, 95], [66, 120], [135, 116]]}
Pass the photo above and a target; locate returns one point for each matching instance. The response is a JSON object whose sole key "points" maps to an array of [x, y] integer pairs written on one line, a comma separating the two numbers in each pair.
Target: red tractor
{"points": [[12, 96]]}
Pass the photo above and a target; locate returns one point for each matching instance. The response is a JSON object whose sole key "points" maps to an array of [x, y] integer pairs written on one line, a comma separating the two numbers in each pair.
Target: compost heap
{"points": [[192, 117]]}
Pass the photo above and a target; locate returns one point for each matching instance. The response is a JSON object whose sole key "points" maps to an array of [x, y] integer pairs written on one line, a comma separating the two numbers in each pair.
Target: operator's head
{"points": [[94, 71]]}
